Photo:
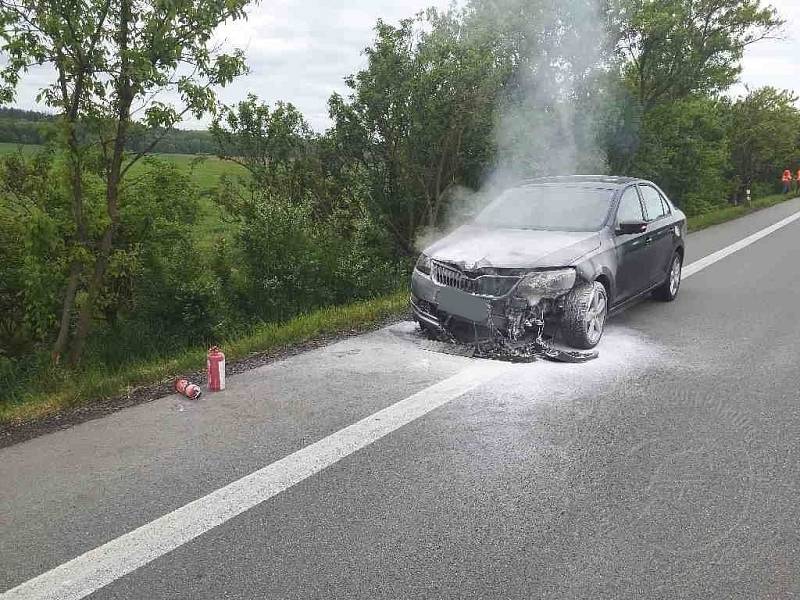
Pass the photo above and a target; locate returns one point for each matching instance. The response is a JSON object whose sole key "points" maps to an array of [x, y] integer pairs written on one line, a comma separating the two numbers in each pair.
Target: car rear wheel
{"points": [[585, 314], [668, 291]]}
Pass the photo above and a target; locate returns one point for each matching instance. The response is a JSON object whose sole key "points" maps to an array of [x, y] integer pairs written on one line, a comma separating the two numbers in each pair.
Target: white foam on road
{"points": [[97, 568], [717, 256]]}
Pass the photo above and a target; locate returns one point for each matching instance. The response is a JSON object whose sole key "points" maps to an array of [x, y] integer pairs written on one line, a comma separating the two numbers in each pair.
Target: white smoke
{"points": [[551, 115], [550, 122]]}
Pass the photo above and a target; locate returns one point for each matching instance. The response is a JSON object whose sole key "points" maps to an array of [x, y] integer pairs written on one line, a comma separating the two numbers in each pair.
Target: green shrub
{"points": [[34, 238], [291, 263], [684, 149]]}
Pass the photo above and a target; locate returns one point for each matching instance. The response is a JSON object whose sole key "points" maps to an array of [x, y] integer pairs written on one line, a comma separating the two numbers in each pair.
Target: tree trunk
{"points": [[72, 102], [66, 311], [125, 94], [95, 285]]}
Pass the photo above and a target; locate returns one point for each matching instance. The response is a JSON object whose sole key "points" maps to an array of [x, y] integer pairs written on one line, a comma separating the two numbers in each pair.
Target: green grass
{"points": [[205, 171], [698, 222], [56, 389], [7, 147]]}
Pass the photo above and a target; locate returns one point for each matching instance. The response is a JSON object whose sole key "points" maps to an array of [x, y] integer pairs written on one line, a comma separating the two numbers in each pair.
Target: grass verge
{"points": [[55, 390], [729, 213]]}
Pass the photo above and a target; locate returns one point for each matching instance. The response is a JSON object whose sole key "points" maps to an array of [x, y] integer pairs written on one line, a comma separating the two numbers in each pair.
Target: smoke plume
{"points": [[550, 121], [550, 118]]}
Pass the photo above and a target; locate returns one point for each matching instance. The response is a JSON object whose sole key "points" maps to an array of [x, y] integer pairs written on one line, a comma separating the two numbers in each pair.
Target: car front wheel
{"points": [[585, 313]]}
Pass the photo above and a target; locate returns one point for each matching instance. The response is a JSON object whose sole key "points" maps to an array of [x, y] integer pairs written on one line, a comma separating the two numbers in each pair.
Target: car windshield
{"points": [[550, 208]]}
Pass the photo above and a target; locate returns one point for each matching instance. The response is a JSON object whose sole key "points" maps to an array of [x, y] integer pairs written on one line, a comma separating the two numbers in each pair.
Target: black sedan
{"points": [[559, 250]]}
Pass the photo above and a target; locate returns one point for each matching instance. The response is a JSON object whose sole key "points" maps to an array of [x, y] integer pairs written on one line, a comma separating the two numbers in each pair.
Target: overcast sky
{"points": [[300, 51]]}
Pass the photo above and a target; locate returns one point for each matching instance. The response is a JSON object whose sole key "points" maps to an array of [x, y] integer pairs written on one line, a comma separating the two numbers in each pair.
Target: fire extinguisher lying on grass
{"points": [[215, 364]]}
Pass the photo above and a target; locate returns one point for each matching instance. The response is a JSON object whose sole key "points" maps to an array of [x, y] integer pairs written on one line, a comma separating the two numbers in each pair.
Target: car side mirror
{"points": [[631, 227]]}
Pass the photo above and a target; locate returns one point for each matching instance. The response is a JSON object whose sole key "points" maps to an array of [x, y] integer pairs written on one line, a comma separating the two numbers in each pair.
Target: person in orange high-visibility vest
{"points": [[787, 181]]}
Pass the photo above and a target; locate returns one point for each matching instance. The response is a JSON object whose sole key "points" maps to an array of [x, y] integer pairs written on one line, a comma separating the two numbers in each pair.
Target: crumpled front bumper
{"points": [[496, 327], [441, 308]]}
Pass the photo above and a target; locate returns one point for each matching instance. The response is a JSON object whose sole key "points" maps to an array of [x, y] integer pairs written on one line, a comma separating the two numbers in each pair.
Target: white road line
{"points": [[709, 260], [97, 568]]}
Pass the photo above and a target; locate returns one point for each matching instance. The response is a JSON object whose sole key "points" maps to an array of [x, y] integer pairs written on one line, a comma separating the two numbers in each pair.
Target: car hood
{"points": [[471, 247]]}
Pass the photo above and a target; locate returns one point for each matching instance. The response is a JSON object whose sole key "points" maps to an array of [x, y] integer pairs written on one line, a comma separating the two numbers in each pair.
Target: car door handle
{"points": [[649, 239]]}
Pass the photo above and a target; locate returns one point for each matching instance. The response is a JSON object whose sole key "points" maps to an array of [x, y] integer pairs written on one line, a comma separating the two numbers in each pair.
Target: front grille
{"points": [[486, 285], [452, 277]]}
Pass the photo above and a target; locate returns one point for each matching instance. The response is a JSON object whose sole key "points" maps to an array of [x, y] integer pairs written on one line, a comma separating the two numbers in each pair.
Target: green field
{"points": [[205, 171], [6, 147]]}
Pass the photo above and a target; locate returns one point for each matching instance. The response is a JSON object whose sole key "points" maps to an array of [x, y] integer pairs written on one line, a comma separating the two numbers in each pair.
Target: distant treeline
{"points": [[31, 127]]}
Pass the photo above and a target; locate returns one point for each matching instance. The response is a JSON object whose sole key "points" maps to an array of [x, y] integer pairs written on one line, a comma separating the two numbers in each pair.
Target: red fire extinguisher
{"points": [[216, 370], [187, 388]]}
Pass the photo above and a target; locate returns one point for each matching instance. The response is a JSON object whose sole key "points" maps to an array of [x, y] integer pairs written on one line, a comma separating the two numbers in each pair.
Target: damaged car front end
{"points": [[503, 313]]}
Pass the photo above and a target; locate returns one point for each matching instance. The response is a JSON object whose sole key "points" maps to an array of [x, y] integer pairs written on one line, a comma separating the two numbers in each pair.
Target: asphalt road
{"points": [[668, 468]]}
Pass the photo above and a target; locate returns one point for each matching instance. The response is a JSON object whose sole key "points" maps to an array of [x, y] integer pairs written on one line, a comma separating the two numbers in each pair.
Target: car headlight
{"points": [[546, 284], [424, 264]]}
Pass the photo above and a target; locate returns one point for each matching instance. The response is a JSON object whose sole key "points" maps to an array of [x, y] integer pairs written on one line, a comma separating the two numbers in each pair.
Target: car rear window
{"points": [[549, 208]]}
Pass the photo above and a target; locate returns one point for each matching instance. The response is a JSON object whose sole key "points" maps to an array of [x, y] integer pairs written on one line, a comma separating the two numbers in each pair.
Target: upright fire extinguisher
{"points": [[216, 370]]}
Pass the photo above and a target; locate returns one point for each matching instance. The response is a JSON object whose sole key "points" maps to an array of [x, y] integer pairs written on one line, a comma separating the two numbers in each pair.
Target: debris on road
{"points": [[188, 389], [524, 343], [533, 350]]}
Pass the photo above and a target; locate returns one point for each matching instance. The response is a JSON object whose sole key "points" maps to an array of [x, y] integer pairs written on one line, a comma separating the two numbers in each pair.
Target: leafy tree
{"points": [[33, 236], [113, 57], [419, 119], [684, 147], [155, 282], [302, 240], [557, 88], [764, 133], [676, 48], [276, 146]]}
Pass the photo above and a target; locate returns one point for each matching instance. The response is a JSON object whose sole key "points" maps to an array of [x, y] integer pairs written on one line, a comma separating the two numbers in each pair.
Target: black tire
{"points": [[668, 291], [581, 326]]}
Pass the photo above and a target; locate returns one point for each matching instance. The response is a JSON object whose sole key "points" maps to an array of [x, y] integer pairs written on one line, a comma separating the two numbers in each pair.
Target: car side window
{"points": [[630, 209], [653, 204]]}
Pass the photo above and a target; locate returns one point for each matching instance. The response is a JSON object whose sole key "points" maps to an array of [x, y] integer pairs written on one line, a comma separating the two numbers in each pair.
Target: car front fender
{"points": [[599, 267]]}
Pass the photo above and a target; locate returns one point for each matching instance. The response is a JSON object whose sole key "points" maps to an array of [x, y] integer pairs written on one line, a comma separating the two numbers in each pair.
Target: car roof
{"points": [[605, 180]]}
